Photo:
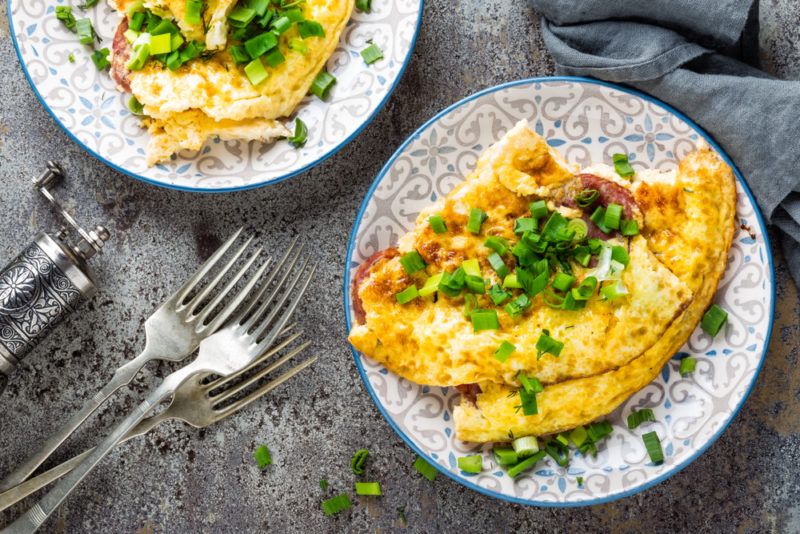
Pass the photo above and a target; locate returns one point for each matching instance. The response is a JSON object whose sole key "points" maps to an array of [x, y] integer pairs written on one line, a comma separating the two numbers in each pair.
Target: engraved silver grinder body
{"points": [[46, 282]]}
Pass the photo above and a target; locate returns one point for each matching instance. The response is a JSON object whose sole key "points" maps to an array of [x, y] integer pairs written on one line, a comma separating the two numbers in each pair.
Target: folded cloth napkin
{"points": [[701, 58]]}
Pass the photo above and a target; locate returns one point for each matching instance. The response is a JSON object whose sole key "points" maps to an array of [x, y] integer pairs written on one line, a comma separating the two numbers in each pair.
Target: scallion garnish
{"points": [[547, 344], [425, 469], [531, 384], [368, 488], [85, 31], [563, 282], [579, 480], [298, 46], [470, 303], [614, 291], [471, 464], [598, 218], [613, 216], [64, 14], [599, 430], [71, 58], [524, 224], [585, 289], [371, 54], [578, 435], [528, 402], [431, 285], [322, 84], [358, 461], [622, 166], [525, 446], [194, 11], [100, 59], [538, 209], [653, 445], [364, 5], [476, 218], [557, 451], [484, 320], [637, 417], [629, 228], [497, 244], [310, 28], [259, 45], [516, 307], [87, 4], [437, 224], [136, 20], [273, 58], [579, 229], [407, 295], [587, 197], [476, 284], [498, 264], [412, 262], [688, 364], [713, 320], [256, 72], [504, 351], [525, 464], [337, 504], [505, 456], [620, 254], [241, 16], [263, 457], [511, 281], [300, 134]]}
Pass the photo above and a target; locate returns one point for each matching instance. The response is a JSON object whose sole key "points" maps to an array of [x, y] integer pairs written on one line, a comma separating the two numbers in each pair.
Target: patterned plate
{"points": [[85, 103], [587, 121]]}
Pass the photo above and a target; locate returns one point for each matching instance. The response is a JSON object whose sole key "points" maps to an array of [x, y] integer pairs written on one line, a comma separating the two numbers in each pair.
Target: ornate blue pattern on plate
{"points": [[588, 121], [86, 104]]}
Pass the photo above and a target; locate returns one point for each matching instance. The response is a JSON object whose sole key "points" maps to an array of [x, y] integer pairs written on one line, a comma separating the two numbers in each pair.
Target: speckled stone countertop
{"points": [[180, 480]]}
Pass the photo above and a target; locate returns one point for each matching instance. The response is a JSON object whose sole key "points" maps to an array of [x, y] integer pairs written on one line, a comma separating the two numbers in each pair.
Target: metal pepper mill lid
{"points": [[46, 282]]}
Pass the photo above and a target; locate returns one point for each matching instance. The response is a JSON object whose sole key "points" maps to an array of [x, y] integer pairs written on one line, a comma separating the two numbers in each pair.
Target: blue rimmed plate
{"points": [[587, 121], [86, 104]]}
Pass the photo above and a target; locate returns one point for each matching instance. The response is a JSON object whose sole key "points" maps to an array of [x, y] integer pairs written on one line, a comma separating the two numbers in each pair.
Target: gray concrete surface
{"points": [[181, 480]]}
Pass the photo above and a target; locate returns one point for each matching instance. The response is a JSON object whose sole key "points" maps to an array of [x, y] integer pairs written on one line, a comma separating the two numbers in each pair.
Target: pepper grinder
{"points": [[46, 282]]}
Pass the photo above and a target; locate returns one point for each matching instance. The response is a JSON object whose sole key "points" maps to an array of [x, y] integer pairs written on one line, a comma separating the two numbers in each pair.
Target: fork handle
{"points": [[123, 376], [36, 516], [32, 485]]}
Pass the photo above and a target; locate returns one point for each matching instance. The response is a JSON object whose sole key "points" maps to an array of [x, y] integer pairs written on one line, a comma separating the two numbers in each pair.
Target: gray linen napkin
{"points": [[701, 58]]}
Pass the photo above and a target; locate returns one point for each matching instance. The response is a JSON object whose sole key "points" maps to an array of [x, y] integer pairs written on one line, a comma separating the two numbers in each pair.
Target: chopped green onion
{"points": [[274, 58], [498, 295], [194, 11], [364, 5], [586, 288], [64, 14], [579, 228], [637, 417], [629, 228], [614, 291], [511, 282], [622, 166], [539, 209], [688, 365], [323, 484], [300, 134], [322, 84], [470, 303], [525, 224], [653, 445], [412, 262], [136, 20], [516, 307], [578, 436], [498, 264], [598, 218], [505, 456], [555, 229], [368, 488], [558, 452], [587, 197], [71, 58], [579, 480], [476, 218], [337, 504], [484, 320], [241, 16], [471, 464], [599, 430], [192, 50], [174, 61], [256, 72], [563, 282], [504, 351], [620, 254], [529, 406], [100, 59], [263, 457], [452, 284], [294, 15], [582, 256], [164, 26], [713, 320], [407, 295], [425, 469], [298, 46], [160, 44], [471, 267], [437, 224], [498, 244], [431, 285], [525, 464], [140, 55], [532, 285], [547, 344], [260, 44], [371, 54], [525, 446], [281, 24], [563, 439], [531, 384], [88, 4], [310, 28], [358, 461], [613, 216], [85, 31], [476, 284], [176, 41]]}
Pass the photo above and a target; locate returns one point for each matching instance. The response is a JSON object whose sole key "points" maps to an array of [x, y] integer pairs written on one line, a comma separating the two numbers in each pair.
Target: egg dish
{"points": [[222, 68], [548, 294]]}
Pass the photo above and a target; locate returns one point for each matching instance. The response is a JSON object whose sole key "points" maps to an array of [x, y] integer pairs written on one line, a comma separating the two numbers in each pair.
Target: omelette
{"points": [[584, 281], [228, 69]]}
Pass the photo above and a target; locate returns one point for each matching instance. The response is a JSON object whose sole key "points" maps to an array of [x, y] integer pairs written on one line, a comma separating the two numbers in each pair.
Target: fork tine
{"points": [[206, 267], [223, 315], [261, 290], [287, 312], [261, 359], [266, 388], [267, 302], [198, 299]]}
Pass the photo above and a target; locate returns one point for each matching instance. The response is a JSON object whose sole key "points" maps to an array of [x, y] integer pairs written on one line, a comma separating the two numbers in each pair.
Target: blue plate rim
{"points": [[663, 476], [150, 181]]}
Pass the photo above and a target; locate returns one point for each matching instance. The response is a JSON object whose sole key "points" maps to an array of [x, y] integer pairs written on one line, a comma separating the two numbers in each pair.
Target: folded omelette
{"points": [[586, 280]]}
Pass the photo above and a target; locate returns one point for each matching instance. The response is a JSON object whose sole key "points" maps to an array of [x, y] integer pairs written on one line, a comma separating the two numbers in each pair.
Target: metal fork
{"points": [[196, 402], [232, 348], [172, 333]]}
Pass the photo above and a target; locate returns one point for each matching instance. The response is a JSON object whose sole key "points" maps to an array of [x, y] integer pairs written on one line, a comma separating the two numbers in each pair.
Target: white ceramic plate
{"points": [[85, 103], [587, 121]]}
